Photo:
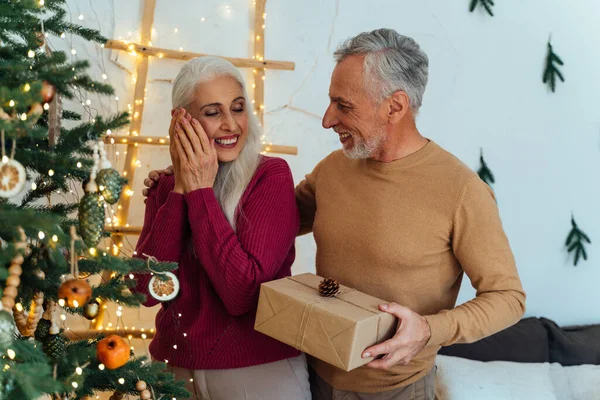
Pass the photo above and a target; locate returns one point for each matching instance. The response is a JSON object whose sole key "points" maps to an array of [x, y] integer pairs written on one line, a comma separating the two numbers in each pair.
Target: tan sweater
{"points": [[405, 231]]}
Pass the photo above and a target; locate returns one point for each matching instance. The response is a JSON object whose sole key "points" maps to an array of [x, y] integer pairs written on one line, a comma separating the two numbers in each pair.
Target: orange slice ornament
{"points": [[165, 287], [12, 178]]}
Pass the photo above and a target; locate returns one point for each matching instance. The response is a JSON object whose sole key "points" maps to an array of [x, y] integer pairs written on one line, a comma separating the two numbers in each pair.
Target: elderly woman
{"points": [[228, 217]]}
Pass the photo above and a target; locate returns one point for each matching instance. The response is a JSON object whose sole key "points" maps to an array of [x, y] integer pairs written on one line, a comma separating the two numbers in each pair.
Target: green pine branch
{"points": [[484, 171], [487, 4], [576, 242], [551, 70]]}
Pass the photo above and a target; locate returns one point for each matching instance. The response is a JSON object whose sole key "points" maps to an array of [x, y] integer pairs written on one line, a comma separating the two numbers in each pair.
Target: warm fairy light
{"points": [[175, 346], [119, 314], [42, 2], [62, 35], [110, 324], [88, 102], [108, 132], [144, 336], [31, 54], [160, 55], [166, 361], [33, 186], [181, 49], [73, 51], [11, 103], [121, 381], [50, 172], [61, 302], [78, 371], [116, 98], [27, 87], [63, 317], [93, 251], [175, 30], [4, 159], [79, 165], [202, 19], [11, 354], [81, 17], [101, 367], [129, 192], [254, 86], [185, 335], [75, 385], [23, 117], [19, 307], [54, 238], [46, 106], [41, 235]]}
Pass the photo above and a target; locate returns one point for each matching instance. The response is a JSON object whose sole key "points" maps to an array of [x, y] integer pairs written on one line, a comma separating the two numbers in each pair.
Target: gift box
{"points": [[334, 329]]}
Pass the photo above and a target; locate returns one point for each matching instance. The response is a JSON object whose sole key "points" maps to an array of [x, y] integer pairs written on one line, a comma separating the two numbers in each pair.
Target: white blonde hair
{"points": [[233, 177]]}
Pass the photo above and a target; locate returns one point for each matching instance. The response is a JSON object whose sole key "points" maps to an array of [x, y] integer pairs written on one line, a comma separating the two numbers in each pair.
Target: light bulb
{"points": [[108, 132], [73, 51], [81, 17], [88, 102], [121, 381], [104, 76], [75, 385], [63, 317], [62, 35], [11, 354], [46, 106], [41, 235], [79, 164], [51, 172], [54, 238], [19, 307], [175, 30], [33, 186], [31, 54], [101, 367], [93, 251], [78, 370], [61, 302], [27, 87], [42, 2], [11, 103], [4, 159]]}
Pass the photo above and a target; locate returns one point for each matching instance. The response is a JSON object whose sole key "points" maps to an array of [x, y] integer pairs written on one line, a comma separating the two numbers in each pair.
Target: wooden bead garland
{"points": [[14, 278]]}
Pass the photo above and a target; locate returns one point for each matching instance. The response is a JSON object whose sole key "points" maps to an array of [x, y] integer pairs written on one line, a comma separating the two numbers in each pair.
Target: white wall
{"points": [[484, 90]]}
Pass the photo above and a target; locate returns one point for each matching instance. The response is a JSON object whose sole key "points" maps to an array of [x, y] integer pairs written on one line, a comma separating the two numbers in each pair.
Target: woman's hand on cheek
{"points": [[198, 156]]}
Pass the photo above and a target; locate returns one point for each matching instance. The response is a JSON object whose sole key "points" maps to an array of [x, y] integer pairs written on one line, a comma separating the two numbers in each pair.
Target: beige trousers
{"points": [[423, 389], [285, 379]]}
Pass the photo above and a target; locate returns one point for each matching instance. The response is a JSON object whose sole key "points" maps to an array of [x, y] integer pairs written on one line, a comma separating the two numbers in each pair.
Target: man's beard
{"points": [[362, 148]]}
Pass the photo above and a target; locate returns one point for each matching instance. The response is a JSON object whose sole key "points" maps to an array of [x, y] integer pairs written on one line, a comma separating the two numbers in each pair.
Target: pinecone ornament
{"points": [[91, 218], [329, 287], [43, 330], [54, 346], [110, 184]]}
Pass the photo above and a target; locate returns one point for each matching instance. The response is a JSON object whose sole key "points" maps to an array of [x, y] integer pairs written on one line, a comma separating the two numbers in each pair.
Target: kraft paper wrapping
{"points": [[334, 329]]}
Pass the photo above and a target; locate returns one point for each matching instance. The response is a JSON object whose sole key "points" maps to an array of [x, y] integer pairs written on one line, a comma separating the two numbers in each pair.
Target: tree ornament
{"points": [[484, 172], [43, 330], [7, 330], [91, 309], [113, 352], [329, 287], [13, 280], [575, 242], [91, 209], [551, 71], [54, 345], [163, 286], [35, 314], [75, 292], [109, 180], [487, 4], [12, 178], [48, 91]]}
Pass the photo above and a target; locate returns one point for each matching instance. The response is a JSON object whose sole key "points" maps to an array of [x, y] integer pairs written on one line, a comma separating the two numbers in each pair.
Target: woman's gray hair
{"points": [[233, 177], [392, 62]]}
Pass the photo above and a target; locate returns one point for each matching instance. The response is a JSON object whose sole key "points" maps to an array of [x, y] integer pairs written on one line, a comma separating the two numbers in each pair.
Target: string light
{"points": [[93, 251], [54, 238], [79, 164], [27, 87], [19, 307], [101, 367], [81, 17], [31, 54], [46, 106], [4, 159], [78, 371], [50, 172], [11, 103], [11, 354], [108, 131], [63, 317], [62, 35], [88, 102], [61, 302], [75, 385], [41, 2], [73, 51], [41, 235], [203, 19], [33, 186], [175, 30], [121, 381]]}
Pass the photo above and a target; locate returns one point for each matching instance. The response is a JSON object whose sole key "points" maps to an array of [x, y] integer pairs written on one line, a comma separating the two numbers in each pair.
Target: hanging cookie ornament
{"points": [[109, 181], [74, 292], [163, 286], [91, 209], [12, 173]]}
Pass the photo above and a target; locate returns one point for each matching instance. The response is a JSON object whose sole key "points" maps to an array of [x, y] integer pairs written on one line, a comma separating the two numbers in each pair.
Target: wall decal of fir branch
{"points": [[576, 242], [484, 171], [487, 4], [551, 70]]}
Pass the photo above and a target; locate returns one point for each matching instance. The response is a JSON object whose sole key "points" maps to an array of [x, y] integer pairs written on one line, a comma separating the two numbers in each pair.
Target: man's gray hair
{"points": [[393, 62]]}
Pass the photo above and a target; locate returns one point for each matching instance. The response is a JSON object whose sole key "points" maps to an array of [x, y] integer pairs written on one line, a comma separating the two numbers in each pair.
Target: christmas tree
{"points": [[47, 247]]}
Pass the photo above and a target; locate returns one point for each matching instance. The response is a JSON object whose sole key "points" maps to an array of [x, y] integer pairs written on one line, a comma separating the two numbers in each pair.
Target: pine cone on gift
{"points": [[329, 287]]}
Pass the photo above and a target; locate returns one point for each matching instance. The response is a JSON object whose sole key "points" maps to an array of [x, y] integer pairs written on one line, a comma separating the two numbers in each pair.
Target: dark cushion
{"points": [[574, 345], [526, 341]]}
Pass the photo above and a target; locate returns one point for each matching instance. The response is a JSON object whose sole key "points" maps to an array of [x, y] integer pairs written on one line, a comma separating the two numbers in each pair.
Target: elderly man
{"points": [[397, 217]]}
